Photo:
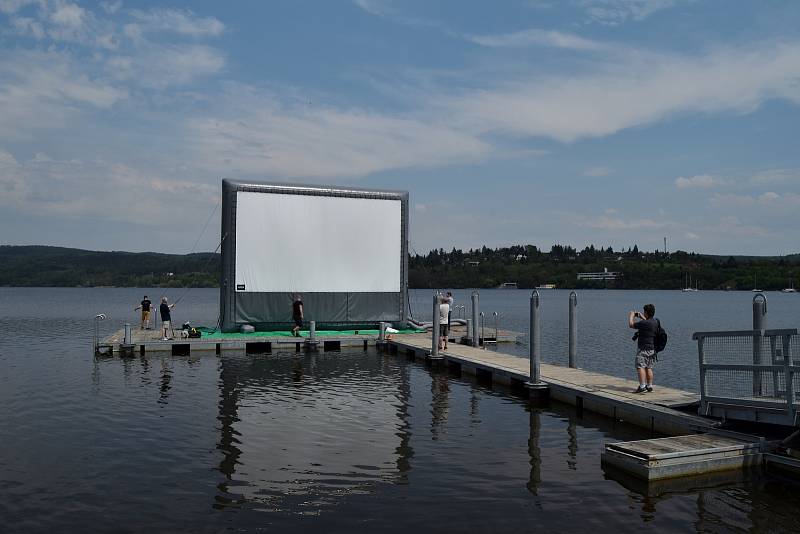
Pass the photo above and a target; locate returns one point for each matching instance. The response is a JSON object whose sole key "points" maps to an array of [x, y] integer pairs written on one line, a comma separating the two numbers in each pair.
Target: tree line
{"points": [[526, 265]]}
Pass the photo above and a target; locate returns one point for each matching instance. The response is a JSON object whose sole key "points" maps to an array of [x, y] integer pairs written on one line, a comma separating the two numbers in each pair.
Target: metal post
{"points": [[469, 331], [382, 332], [759, 324], [97, 318], [312, 330], [573, 330], [475, 315], [495, 326], [127, 338], [435, 328], [789, 379], [483, 336], [535, 382]]}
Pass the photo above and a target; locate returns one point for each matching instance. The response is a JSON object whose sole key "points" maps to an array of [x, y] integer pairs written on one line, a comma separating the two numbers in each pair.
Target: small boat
{"points": [[789, 289], [508, 285], [755, 284], [546, 286], [689, 288]]}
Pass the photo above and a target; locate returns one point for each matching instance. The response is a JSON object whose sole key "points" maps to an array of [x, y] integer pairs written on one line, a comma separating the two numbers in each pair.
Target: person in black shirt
{"points": [[645, 335], [145, 307], [297, 315], [166, 319]]}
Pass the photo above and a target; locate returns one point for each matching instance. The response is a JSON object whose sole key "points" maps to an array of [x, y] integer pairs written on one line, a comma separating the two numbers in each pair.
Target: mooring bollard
{"points": [[535, 384], [475, 318], [127, 338], [573, 330], [468, 335], [495, 314], [759, 324], [382, 332], [311, 342], [435, 328]]}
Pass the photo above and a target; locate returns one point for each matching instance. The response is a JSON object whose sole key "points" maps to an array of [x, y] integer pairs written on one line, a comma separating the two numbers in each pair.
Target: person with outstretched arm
{"points": [[166, 319], [145, 307], [646, 328]]}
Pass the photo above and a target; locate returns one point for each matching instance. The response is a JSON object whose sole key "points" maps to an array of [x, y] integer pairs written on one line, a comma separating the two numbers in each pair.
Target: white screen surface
{"points": [[305, 243]]}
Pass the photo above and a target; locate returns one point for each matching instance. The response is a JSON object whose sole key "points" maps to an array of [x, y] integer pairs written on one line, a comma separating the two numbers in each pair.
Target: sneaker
{"points": [[164, 339], [649, 388], [641, 389]]}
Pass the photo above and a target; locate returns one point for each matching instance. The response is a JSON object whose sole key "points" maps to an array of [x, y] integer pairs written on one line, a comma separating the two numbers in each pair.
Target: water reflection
{"points": [[534, 451], [440, 389], [572, 447], [310, 434]]}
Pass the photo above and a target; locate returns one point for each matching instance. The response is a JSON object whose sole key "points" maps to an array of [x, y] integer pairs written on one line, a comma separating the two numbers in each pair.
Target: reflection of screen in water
{"points": [[309, 243], [300, 443]]}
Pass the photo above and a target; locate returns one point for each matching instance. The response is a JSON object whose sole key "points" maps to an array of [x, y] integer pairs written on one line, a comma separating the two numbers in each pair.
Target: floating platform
{"points": [[143, 341], [683, 456]]}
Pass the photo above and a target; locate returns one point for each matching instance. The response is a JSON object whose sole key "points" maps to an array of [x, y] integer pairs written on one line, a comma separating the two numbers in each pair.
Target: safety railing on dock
{"points": [[751, 375]]}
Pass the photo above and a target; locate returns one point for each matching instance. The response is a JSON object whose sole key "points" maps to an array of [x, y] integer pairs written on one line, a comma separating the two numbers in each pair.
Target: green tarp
{"points": [[208, 333]]}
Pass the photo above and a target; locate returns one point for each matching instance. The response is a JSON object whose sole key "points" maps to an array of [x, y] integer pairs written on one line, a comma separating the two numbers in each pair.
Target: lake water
{"points": [[335, 442]]}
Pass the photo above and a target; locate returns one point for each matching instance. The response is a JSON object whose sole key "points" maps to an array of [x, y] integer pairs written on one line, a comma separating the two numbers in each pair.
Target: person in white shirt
{"points": [[444, 326]]}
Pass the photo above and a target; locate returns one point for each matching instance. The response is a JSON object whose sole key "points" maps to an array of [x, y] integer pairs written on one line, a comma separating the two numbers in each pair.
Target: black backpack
{"points": [[660, 339]]}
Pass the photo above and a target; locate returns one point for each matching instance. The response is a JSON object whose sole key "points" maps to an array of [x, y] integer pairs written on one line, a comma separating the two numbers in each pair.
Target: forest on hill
{"points": [[525, 265]]}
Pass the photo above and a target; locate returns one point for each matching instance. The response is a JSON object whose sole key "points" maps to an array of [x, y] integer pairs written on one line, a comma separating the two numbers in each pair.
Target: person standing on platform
{"points": [[444, 326], [646, 328], [449, 299], [297, 315], [145, 307], [166, 319]]}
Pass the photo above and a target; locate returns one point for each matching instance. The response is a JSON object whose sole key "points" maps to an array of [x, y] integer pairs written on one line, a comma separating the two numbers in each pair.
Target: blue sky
{"points": [[612, 122]]}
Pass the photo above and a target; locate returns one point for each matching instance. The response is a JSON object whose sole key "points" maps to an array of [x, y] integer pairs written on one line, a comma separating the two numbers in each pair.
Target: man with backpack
{"points": [[650, 338]]}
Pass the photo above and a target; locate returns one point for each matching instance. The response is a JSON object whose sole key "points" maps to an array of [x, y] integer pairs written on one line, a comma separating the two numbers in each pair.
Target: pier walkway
{"points": [[596, 392]]}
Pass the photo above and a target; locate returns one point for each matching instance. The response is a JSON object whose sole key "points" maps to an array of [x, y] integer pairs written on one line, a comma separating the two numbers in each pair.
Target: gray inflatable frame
{"points": [[334, 310]]}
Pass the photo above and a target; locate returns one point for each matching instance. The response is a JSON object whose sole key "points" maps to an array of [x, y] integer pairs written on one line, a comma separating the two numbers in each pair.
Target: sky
{"points": [[606, 122]]}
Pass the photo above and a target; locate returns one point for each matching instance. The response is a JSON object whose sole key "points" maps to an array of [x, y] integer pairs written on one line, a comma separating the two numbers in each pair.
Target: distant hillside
{"points": [[527, 266], [40, 266]]}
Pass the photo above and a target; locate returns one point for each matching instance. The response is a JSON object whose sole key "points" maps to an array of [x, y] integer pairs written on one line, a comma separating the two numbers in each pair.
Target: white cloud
{"points": [[631, 90], [12, 6], [608, 223], [597, 171], [703, 181], [271, 138], [551, 38], [160, 66], [691, 235], [70, 188], [776, 176], [111, 7], [774, 203], [179, 21], [615, 12], [380, 8], [68, 15], [43, 89]]}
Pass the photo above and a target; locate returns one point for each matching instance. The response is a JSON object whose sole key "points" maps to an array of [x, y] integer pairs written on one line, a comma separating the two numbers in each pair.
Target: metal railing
{"points": [[750, 375]]}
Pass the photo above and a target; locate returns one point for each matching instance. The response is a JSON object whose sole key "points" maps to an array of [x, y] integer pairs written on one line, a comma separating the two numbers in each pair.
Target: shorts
{"points": [[444, 330], [645, 359], [298, 323], [145, 316], [165, 325]]}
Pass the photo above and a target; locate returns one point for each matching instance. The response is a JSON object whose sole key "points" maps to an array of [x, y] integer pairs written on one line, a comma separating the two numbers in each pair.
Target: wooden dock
{"points": [[614, 397]]}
